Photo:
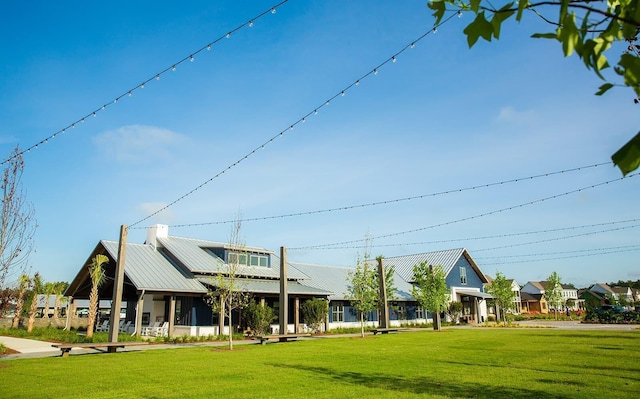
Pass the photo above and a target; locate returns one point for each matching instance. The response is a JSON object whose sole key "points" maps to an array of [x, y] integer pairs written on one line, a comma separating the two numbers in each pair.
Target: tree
{"points": [[96, 273], [58, 288], [23, 285], [553, 292], [17, 221], [362, 289], [228, 292], [455, 311], [430, 290], [36, 283], [501, 290], [314, 313], [586, 28], [258, 317]]}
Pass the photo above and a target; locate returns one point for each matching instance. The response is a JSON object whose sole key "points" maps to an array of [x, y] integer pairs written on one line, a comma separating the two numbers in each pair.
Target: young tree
{"points": [[36, 283], [362, 289], [23, 285], [455, 311], [17, 221], [96, 272], [228, 293], [583, 27], [553, 292], [314, 313], [430, 290], [503, 294]]}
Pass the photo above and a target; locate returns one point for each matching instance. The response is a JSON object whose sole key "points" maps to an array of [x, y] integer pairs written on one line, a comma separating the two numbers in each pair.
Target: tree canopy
{"points": [[430, 290], [586, 28], [502, 293]]}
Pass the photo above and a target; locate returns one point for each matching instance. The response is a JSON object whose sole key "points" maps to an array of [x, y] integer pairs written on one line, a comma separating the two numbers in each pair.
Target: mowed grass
{"points": [[481, 363]]}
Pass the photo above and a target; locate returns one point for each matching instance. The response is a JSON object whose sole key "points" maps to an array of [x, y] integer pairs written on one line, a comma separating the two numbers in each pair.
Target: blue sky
{"points": [[440, 118]]}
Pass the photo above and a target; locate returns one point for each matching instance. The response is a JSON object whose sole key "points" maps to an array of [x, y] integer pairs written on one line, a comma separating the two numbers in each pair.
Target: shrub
{"points": [[259, 318], [314, 313]]}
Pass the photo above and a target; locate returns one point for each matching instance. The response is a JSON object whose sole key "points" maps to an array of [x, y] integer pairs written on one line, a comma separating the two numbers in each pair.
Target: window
{"points": [[419, 312], [337, 312], [463, 275], [248, 259]]}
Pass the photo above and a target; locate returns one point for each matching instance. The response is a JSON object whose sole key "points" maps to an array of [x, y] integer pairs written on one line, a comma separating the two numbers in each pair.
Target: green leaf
{"points": [[439, 8], [480, 27], [627, 158], [568, 34], [631, 71], [522, 4], [475, 5], [603, 89], [499, 17]]}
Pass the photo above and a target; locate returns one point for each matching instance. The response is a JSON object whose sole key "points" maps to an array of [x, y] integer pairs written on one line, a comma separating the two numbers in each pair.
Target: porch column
{"points": [[296, 315], [139, 313], [262, 301], [475, 303], [172, 315]]}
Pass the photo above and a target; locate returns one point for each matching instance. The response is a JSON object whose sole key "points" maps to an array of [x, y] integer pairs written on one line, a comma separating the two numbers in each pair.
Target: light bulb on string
{"points": [[129, 94], [158, 77], [342, 94], [315, 112], [142, 86], [208, 46], [250, 24], [413, 45], [115, 100], [273, 10], [357, 83], [82, 120], [375, 71], [228, 35], [459, 14], [304, 120], [393, 59], [435, 30], [94, 114], [173, 68]]}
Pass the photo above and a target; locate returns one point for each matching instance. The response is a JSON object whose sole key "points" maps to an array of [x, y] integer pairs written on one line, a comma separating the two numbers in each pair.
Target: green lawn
{"points": [[484, 363]]}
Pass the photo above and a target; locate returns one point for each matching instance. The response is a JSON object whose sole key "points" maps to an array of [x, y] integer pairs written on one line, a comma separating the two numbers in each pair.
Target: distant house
{"points": [[533, 303], [569, 293], [517, 301]]}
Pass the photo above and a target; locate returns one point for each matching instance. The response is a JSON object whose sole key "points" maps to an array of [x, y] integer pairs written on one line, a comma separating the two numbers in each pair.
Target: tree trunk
{"points": [[32, 312], [436, 321], [19, 305], [362, 324], [230, 331], [93, 309]]}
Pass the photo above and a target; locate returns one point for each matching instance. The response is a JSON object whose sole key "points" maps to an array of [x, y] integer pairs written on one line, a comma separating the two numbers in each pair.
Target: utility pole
{"points": [[382, 284], [284, 296], [116, 300]]}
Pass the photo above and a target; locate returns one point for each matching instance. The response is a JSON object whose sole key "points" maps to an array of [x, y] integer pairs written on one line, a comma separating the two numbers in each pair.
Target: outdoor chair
{"points": [[150, 329], [103, 327], [125, 327], [162, 330]]}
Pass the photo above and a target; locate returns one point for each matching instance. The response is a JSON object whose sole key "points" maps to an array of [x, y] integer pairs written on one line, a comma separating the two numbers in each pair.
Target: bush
{"points": [[259, 318], [314, 313]]}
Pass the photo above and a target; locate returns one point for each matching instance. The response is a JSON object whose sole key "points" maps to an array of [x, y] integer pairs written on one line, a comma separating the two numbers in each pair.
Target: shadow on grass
{"points": [[421, 385]]}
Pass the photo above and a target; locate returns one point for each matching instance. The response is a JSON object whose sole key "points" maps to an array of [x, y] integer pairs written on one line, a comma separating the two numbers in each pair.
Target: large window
{"points": [[337, 312], [419, 312], [248, 259], [463, 275]]}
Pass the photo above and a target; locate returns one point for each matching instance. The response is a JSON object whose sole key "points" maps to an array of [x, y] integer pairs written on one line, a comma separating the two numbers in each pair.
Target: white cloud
{"points": [[510, 114], [166, 216], [139, 143]]}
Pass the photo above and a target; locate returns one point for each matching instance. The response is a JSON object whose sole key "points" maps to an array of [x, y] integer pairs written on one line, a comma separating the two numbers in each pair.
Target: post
{"points": [[382, 284], [172, 315], [116, 300], [139, 311], [436, 316], [284, 297], [296, 315]]}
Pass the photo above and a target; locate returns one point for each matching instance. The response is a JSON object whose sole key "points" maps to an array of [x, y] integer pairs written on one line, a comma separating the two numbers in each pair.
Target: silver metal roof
{"points": [[261, 286], [404, 264], [192, 253], [149, 270]]}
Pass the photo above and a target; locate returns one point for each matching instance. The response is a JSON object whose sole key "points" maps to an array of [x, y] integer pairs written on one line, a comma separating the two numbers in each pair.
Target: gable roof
{"points": [[447, 259]]}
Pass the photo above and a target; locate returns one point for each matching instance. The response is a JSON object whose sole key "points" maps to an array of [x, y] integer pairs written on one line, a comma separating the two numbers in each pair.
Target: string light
{"points": [[315, 112], [250, 24], [172, 68], [333, 245], [393, 59], [418, 197]]}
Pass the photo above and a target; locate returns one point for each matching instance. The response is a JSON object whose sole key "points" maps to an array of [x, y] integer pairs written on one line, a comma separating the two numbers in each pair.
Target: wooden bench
{"points": [[280, 337], [110, 346], [384, 330]]}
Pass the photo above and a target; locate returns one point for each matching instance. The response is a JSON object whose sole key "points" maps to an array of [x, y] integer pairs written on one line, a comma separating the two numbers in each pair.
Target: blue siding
{"points": [[473, 280]]}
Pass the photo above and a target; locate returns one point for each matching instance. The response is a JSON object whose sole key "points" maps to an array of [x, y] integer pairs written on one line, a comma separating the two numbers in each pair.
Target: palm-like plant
{"points": [[96, 272], [22, 289], [35, 286]]}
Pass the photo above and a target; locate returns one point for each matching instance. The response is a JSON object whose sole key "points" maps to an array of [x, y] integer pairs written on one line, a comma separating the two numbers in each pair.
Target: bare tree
{"points": [[228, 293], [17, 222]]}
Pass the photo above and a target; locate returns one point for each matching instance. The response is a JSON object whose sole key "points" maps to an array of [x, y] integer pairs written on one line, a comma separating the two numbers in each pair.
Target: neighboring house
{"points": [[533, 303], [624, 294], [569, 293], [517, 301], [463, 277], [603, 290], [168, 278], [591, 299]]}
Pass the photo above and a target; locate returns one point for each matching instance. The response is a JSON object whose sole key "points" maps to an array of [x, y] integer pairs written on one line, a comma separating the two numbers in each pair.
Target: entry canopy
{"points": [[477, 294]]}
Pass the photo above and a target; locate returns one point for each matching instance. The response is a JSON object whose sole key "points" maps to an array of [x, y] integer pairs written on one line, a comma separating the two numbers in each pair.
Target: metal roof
{"points": [[336, 280], [404, 264], [149, 270], [477, 294], [192, 253], [262, 286]]}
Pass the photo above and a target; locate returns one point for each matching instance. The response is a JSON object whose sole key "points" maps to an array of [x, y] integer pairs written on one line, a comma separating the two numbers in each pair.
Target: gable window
{"points": [[248, 259], [337, 312], [463, 275]]}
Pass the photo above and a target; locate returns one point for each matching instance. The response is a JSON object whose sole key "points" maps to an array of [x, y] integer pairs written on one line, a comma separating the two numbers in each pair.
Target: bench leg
{"points": [[65, 352]]}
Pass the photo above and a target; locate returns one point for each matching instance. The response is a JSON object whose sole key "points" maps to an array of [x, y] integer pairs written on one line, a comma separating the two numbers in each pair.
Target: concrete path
{"points": [[28, 348]]}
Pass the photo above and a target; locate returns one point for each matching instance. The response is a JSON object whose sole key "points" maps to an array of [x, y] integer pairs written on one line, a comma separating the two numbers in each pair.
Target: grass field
{"points": [[481, 363]]}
